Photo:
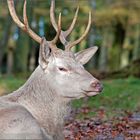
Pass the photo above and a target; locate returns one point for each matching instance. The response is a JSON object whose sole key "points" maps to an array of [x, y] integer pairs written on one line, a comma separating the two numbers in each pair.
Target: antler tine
{"points": [[69, 30], [52, 14], [25, 26], [58, 30], [63, 34], [71, 44], [25, 15], [13, 14]]}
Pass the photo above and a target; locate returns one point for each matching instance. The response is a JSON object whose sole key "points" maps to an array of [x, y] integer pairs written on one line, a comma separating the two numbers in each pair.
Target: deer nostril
{"points": [[97, 85], [94, 84]]}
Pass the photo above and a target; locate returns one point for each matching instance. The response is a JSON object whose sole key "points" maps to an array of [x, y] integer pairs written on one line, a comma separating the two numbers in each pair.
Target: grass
{"points": [[118, 96], [9, 84]]}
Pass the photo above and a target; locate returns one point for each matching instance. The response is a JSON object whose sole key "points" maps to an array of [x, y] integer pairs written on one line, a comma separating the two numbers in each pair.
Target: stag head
{"points": [[63, 67]]}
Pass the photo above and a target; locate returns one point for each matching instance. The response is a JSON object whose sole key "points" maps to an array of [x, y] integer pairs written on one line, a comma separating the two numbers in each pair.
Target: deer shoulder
{"points": [[17, 122]]}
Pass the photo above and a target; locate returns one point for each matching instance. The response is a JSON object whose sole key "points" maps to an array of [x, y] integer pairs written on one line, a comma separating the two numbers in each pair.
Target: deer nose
{"points": [[97, 86]]}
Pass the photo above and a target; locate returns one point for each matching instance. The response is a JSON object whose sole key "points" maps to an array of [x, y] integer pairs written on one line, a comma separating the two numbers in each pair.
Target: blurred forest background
{"points": [[115, 30]]}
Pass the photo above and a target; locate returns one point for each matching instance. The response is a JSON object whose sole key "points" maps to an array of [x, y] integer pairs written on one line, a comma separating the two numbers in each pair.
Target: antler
{"points": [[25, 26], [64, 34], [71, 44], [60, 33]]}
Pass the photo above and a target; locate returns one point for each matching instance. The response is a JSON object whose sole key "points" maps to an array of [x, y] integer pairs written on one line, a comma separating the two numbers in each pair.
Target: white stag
{"points": [[38, 108]]}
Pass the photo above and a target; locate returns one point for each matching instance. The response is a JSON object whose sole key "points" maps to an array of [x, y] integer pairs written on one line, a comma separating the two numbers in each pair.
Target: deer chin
{"points": [[74, 97], [91, 93]]}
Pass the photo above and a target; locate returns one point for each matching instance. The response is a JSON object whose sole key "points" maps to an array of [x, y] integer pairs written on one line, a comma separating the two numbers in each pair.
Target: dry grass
{"points": [[2, 90]]}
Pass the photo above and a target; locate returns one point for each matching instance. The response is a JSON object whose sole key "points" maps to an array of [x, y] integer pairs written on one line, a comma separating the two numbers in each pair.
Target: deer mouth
{"points": [[90, 92]]}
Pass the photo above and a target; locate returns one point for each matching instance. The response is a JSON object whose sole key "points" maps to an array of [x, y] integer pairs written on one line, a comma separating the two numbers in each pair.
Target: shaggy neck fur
{"points": [[41, 99]]}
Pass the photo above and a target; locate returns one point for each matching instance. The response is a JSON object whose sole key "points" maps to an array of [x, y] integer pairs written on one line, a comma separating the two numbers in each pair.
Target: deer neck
{"points": [[42, 100]]}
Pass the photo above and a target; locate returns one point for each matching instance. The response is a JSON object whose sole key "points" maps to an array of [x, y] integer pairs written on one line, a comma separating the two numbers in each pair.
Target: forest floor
{"points": [[99, 127], [112, 115]]}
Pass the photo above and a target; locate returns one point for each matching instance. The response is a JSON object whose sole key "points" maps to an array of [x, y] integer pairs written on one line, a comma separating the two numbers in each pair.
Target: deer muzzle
{"points": [[96, 86]]}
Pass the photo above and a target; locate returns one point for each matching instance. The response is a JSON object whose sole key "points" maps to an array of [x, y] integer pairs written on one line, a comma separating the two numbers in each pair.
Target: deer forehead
{"points": [[62, 58], [64, 54], [66, 61]]}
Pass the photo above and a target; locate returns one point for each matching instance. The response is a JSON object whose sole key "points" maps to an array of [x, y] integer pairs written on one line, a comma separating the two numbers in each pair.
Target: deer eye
{"points": [[62, 69]]}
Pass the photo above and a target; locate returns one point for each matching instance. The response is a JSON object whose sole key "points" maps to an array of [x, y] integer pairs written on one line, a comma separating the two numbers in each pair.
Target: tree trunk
{"points": [[72, 38], [116, 51], [33, 44], [126, 48], [124, 58], [4, 40], [136, 50], [10, 60], [21, 52], [91, 42], [82, 44], [32, 58], [103, 57]]}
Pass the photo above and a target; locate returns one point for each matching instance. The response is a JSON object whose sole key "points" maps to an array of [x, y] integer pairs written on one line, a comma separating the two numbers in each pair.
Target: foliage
{"points": [[118, 128], [115, 29], [9, 84]]}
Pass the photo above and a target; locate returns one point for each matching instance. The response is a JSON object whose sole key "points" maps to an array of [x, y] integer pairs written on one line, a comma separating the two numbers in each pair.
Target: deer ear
{"points": [[44, 54], [85, 55]]}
